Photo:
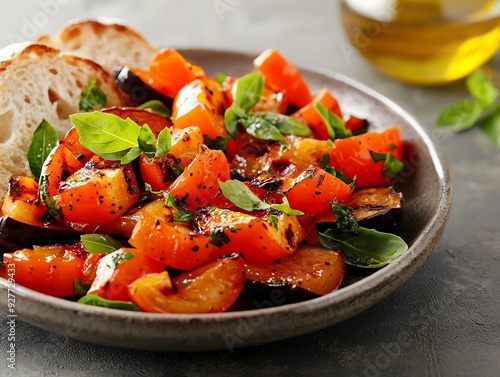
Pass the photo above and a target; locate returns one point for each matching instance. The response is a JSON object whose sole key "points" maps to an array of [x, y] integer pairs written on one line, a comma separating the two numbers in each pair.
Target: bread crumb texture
{"points": [[39, 82]]}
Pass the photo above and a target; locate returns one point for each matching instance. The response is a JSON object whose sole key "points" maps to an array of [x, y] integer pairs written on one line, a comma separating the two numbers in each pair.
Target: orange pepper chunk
{"points": [[210, 288], [174, 244], [200, 103], [117, 270], [168, 72], [283, 75], [47, 269], [21, 201], [199, 182], [310, 115]]}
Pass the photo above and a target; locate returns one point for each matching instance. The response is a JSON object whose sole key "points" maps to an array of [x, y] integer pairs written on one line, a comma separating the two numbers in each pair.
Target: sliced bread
{"points": [[105, 41], [39, 82]]}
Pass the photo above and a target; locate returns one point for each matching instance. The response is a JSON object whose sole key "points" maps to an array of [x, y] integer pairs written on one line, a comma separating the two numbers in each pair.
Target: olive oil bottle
{"points": [[424, 42]]}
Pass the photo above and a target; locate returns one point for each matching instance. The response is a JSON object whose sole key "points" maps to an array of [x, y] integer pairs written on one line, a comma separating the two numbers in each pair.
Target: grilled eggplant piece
{"points": [[373, 207], [376, 207], [137, 91], [309, 272], [15, 235]]}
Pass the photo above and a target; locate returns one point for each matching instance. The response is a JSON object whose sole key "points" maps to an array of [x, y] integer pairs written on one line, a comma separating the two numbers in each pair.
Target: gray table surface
{"points": [[453, 335]]}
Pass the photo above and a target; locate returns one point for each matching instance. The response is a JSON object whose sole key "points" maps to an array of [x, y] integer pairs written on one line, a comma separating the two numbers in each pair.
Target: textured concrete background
{"points": [[454, 334]]}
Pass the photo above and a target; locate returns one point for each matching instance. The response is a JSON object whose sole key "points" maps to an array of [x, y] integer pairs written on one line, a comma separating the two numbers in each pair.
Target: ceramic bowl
{"points": [[425, 182]]}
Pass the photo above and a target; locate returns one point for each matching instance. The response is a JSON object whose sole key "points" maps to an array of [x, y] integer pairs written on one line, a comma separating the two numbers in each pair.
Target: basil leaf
{"points": [[157, 107], [241, 196], [344, 218], [392, 165], [273, 219], [324, 161], [148, 188], [131, 155], [92, 95], [105, 133], [44, 140], [220, 77], [334, 125], [491, 127], [164, 143], [80, 289], [147, 140], [323, 164], [181, 214], [114, 156], [460, 116], [119, 258], [261, 128], [231, 122], [99, 301], [218, 237], [284, 123], [340, 175], [367, 249], [285, 208], [219, 142], [248, 90], [99, 243], [52, 206], [482, 89], [176, 167]]}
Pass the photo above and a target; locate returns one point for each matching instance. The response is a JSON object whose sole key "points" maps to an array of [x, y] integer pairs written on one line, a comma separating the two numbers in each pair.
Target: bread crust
{"points": [[109, 42]]}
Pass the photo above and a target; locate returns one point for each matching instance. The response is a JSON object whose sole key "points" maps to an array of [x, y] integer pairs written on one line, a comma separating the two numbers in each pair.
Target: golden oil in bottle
{"points": [[424, 41]]}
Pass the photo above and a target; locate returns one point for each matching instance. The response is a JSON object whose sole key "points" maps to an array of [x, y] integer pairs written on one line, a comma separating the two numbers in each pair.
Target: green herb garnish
{"points": [[178, 204], [481, 109], [44, 140], [262, 125], [119, 258], [164, 143], [99, 301], [461, 115], [52, 205], [285, 208], [491, 127], [323, 164], [157, 107], [242, 197], [219, 142], [482, 89], [344, 218], [367, 249], [261, 128], [218, 237], [220, 77], [273, 219], [334, 125], [92, 95], [99, 243], [80, 289], [116, 139], [248, 92], [392, 165]]}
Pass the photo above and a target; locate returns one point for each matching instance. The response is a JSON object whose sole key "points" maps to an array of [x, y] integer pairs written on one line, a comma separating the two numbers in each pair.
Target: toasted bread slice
{"points": [[107, 42], [38, 82]]}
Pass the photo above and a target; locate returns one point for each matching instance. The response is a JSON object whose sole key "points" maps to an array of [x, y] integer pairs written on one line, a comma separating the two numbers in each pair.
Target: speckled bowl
{"points": [[425, 182]]}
